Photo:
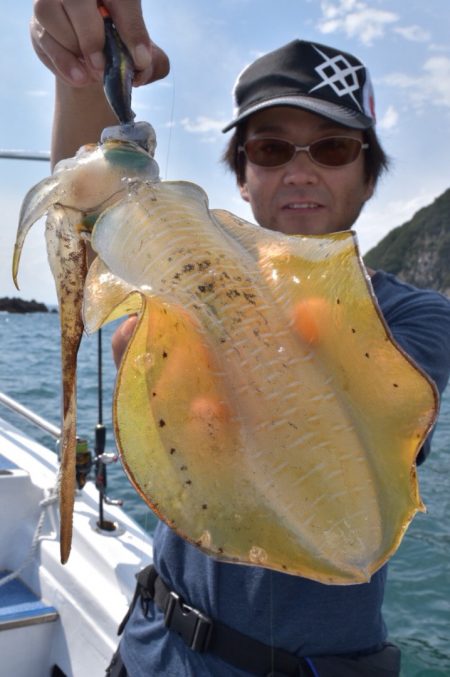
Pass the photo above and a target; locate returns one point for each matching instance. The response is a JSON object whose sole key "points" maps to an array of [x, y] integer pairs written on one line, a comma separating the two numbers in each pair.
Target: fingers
{"points": [[150, 61], [68, 37], [58, 59], [60, 42], [121, 338], [87, 34], [158, 69]]}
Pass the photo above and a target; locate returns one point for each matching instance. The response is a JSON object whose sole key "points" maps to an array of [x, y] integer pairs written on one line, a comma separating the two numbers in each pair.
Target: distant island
{"points": [[418, 252], [16, 305]]}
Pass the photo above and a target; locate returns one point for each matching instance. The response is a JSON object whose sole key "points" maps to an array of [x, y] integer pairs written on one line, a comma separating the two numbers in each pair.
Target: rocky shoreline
{"points": [[16, 305], [418, 252]]}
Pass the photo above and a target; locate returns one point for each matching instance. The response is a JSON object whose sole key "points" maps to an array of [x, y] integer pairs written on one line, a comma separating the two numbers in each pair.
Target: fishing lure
{"points": [[119, 69]]}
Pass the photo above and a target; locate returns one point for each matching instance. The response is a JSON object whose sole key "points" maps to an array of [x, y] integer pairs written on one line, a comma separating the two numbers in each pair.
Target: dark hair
{"points": [[375, 159]]}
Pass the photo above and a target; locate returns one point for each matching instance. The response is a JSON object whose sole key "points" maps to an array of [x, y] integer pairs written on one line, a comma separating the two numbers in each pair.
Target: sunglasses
{"points": [[334, 151]]}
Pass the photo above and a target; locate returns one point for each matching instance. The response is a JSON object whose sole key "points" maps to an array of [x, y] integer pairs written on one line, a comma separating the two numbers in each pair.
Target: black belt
{"points": [[203, 634]]}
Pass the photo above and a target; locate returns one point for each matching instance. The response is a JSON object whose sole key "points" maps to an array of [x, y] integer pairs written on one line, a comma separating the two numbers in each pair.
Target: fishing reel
{"points": [[85, 461]]}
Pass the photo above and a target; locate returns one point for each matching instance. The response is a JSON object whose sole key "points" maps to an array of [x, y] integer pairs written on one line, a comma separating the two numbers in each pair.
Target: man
{"points": [[306, 158]]}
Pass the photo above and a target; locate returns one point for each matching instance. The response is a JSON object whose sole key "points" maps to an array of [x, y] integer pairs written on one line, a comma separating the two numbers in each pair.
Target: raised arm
{"points": [[68, 37]]}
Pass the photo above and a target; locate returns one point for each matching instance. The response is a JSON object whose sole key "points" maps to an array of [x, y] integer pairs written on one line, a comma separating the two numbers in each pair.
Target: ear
{"points": [[244, 192]]}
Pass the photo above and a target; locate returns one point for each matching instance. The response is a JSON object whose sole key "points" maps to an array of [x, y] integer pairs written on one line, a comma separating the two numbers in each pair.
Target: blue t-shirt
{"points": [[289, 612]]}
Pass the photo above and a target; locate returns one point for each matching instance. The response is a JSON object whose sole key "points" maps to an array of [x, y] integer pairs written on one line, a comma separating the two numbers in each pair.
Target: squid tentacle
{"points": [[252, 408]]}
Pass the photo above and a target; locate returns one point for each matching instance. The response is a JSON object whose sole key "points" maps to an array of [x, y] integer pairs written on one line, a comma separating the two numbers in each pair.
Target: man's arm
{"points": [[80, 115], [68, 37], [121, 338]]}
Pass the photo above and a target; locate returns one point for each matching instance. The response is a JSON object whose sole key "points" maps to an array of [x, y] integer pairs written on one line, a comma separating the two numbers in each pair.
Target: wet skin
{"points": [[332, 198], [303, 197]]}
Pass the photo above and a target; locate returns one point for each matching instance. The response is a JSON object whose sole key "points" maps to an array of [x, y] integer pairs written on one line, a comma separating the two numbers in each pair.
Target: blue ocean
{"points": [[417, 606]]}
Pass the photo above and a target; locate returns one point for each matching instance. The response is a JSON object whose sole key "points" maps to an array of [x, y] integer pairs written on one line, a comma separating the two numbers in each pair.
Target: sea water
{"points": [[417, 605]]}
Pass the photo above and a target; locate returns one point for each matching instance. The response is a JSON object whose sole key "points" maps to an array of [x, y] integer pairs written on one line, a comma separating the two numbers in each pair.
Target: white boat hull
{"points": [[90, 594]]}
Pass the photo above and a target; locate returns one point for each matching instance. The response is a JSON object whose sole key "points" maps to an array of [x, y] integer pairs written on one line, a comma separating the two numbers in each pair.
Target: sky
{"points": [[405, 45]]}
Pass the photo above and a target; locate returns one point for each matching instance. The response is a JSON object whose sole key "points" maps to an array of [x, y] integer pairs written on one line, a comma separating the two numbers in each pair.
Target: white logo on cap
{"points": [[342, 78]]}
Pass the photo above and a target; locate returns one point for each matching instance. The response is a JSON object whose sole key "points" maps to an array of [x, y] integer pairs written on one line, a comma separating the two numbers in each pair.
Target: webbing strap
{"points": [[204, 634]]}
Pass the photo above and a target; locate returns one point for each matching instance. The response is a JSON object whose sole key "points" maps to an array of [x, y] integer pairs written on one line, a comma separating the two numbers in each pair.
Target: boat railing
{"points": [[84, 461], [37, 420], [43, 155]]}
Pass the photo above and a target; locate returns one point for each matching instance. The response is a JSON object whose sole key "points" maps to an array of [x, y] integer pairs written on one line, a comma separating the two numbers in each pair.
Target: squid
{"points": [[262, 408]]}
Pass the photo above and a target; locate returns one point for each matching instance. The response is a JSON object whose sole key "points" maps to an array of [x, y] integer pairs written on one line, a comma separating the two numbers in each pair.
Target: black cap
{"points": [[307, 75]]}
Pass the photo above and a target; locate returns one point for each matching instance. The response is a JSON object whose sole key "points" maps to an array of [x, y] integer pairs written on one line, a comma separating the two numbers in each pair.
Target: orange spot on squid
{"points": [[310, 317], [209, 409]]}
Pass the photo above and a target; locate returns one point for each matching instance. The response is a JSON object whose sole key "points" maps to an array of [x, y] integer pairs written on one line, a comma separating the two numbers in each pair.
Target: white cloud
{"points": [[331, 10], [413, 33], [389, 119], [442, 49], [432, 87], [208, 139], [356, 19], [202, 125], [437, 77]]}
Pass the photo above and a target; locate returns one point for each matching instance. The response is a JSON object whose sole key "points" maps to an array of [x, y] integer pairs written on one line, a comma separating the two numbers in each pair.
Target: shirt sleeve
{"points": [[420, 323]]}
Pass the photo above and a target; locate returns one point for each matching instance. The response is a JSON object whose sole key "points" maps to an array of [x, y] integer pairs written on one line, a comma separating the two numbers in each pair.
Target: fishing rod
{"points": [[102, 459], [117, 84]]}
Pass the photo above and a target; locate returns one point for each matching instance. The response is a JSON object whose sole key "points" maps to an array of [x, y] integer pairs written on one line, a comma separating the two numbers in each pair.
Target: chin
{"points": [[298, 225], [301, 229]]}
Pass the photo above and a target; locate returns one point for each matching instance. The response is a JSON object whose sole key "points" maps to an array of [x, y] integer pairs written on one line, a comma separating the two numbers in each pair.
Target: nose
{"points": [[301, 170]]}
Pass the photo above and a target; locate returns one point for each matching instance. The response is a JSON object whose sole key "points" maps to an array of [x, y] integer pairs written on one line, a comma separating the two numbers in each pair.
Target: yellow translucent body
{"points": [[262, 408]]}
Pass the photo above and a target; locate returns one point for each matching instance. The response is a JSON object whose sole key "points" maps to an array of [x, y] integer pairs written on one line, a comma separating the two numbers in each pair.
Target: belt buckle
{"points": [[189, 623]]}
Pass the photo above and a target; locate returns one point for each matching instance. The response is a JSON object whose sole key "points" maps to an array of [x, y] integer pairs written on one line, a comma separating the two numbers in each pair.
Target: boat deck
{"points": [[19, 606]]}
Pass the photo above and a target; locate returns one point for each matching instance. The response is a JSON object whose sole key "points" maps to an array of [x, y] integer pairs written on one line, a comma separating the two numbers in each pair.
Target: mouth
{"points": [[302, 206]]}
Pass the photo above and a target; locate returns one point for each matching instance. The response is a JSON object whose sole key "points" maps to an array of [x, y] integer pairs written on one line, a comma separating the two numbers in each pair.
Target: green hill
{"points": [[418, 252]]}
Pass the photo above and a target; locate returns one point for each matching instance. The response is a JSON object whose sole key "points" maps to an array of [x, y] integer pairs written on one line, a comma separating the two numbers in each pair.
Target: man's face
{"points": [[302, 197]]}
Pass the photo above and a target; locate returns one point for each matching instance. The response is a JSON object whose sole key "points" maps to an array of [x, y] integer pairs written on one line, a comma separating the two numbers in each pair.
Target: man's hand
{"points": [[121, 338], [68, 37]]}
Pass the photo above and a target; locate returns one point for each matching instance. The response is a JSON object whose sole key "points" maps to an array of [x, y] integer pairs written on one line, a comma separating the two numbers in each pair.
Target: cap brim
{"points": [[339, 114]]}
